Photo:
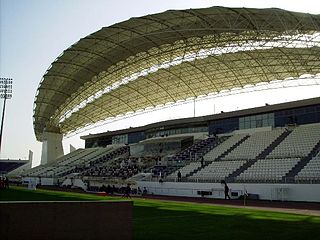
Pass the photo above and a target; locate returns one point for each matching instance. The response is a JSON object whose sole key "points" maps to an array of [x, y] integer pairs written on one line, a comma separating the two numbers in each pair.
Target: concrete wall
{"points": [[36, 180], [51, 147], [285, 192], [66, 220]]}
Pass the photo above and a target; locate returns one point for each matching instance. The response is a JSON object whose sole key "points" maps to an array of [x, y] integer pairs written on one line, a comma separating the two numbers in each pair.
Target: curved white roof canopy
{"points": [[170, 56]]}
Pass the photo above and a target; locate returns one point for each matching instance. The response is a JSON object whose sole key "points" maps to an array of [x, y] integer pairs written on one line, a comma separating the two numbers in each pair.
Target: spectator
{"points": [[1, 182], [139, 191], [226, 190], [114, 189], [127, 191], [103, 189], [145, 191], [179, 176], [6, 182]]}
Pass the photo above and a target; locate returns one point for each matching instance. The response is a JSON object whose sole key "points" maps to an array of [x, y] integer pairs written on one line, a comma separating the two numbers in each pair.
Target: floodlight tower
{"points": [[5, 93]]}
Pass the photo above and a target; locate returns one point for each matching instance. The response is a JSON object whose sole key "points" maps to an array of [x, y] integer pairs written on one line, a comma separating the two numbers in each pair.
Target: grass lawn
{"points": [[157, 219]]}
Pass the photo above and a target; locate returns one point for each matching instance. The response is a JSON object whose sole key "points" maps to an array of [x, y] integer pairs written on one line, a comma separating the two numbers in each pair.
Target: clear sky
{"points": [[34, 32]]}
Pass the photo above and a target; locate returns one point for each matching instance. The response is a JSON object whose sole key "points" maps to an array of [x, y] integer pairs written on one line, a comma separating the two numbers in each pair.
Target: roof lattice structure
{"points": [[171, 56]]}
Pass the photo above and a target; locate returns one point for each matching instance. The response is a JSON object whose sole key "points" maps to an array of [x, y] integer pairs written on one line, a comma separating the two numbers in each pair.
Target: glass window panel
{"points": [[259, 123], [265, 122]]}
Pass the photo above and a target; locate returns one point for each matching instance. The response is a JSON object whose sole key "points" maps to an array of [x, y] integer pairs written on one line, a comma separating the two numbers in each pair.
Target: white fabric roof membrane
{"points": [[171, 56]]}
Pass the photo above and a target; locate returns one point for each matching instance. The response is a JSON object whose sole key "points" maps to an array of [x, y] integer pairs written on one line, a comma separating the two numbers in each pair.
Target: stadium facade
{"points": [[274, 116]]}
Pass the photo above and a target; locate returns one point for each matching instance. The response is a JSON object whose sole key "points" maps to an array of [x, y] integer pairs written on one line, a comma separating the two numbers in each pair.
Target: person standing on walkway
{"points": [[226, 190], [179, 176]]}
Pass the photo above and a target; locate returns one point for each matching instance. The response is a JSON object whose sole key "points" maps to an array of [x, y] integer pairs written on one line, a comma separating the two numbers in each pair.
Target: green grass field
{"points": [[155, 219]]}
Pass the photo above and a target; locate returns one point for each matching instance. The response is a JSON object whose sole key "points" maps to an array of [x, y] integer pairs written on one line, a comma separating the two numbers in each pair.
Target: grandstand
{"points": [[169, 57], [10, 165], [279, 154], [310, 171]]}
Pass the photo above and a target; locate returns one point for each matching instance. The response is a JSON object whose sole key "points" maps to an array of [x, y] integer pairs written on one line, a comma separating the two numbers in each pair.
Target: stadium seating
{"points": [[223, 147], [268, 169], [274, 155], [121, 167], [76, 161], [311, 171], [185, 170], [254, 145], [197, 150], [9, 165], [218, 170], [299, 143]]}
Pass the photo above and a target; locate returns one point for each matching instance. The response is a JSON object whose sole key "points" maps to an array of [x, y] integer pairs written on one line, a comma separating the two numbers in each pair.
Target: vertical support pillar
{"points": [[72, 148], [30, 156], [51, 147]]}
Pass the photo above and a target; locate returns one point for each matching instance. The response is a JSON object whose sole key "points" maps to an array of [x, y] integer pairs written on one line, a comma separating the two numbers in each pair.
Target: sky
{"points": [[33, 33]]}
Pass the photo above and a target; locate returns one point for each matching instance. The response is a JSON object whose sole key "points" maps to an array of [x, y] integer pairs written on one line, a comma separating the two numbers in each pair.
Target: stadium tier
{"points": [[254, 145], [299, 143], [7, 166], [256, 156], [225, 147], [265, 170], [217, 171], [76, 162], [185, 170], [311, 171]]}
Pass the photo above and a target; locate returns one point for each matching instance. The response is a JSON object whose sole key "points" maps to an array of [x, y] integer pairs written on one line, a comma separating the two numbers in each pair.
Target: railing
{"points": [[215, 180]]}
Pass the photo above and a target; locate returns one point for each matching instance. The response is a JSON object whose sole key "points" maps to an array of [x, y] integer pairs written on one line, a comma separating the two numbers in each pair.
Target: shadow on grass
{"points": [[202, 222], [154, 219], [23, 194]]}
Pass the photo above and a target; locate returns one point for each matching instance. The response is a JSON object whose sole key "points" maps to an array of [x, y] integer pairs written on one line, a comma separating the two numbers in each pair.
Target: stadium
{"points": [[172, 56], [267, 153]]}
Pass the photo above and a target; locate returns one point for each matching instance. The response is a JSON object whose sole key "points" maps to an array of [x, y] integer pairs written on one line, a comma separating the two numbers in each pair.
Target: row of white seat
{"points": [[185, 170], [311, 170], [299, 143], [218, 170], [254, 145], [223, 147], [68, 162], [272, 169]]}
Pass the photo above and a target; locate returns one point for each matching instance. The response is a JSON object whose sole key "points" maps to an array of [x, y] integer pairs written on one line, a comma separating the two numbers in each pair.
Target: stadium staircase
{"points": [[219, 157], [289, 177], [262, 155]]}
